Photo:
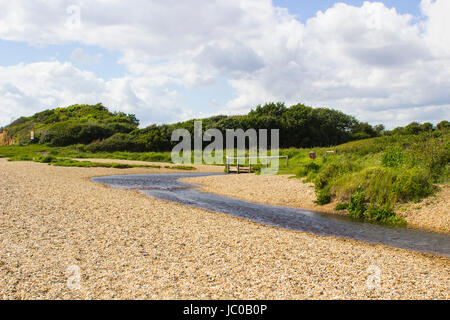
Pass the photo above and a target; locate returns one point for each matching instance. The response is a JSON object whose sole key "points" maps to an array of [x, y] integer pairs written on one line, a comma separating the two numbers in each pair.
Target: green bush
{"points": [[307, 168], [393, 157], [359, 208], [357, 205], [341, 206], [67, 133], [384, 216], [323, 196], [117, 142], [46, 159]]}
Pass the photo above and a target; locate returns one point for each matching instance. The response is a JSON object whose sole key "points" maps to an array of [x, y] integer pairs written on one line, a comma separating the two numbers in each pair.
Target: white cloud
{"points": [[28, 88], [369, 61], [80, 57]]}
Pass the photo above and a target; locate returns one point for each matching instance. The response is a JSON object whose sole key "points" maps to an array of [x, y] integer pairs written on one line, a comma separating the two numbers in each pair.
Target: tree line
{"points": [[300, 126]]}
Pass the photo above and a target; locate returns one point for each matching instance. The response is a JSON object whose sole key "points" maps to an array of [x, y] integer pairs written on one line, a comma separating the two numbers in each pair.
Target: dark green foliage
{"points": [[384, 216], [46, 159], [392, 157], [117, 142], [415, 128], [323, 196], [65, 134], [359, 208], [307, 168], [299, 125], [443, 125], [357, 204]]}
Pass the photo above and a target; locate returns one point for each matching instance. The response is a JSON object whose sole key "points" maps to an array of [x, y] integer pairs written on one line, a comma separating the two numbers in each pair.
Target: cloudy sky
{"points": [[383, 62]]}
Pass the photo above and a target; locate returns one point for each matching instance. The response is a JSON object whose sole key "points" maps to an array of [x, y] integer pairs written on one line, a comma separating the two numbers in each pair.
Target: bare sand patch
{"points": [[432, 213], [129, 246]]}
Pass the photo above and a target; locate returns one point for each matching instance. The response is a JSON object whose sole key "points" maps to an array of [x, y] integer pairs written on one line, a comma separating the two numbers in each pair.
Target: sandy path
{"points": [[127, 245], [201, 168]]}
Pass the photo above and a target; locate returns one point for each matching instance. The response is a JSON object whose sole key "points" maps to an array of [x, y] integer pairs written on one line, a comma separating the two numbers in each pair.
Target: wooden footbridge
{"points": [[244, 166]]}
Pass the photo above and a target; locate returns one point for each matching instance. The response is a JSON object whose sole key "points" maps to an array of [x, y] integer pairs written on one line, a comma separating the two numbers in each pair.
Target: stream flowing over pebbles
{"points": [[65, 237], [431, 213]]}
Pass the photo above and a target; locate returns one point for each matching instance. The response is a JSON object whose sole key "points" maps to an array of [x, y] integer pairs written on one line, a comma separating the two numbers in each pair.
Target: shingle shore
{"points": [[129, 246]]}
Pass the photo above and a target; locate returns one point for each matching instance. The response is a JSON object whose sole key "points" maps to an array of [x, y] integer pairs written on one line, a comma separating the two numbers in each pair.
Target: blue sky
{"points": [[107, 66], [169, 63], [305, 9]]}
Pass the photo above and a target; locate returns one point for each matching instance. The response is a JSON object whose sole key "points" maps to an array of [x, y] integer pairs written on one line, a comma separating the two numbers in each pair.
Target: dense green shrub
{"points": [[359, 208], [393, 157], [67, 133], [357, 205], [384, 216], [46, 159], [117, 142], [307, 168], [341, 206], [323, 196]]}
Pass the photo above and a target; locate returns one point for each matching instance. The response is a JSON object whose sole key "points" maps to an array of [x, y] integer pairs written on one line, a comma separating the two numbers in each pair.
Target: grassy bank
{"points": [[63, 156], [370, 177], [28, 152]]}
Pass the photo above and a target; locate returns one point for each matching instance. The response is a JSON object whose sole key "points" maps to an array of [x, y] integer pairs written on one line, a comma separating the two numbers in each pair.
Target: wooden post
{"points": [[249, 165], [287, 162], [238, 165]]}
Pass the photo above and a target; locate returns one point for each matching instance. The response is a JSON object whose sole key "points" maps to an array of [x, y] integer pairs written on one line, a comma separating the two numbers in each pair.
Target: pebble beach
{"points": [[63, 236]]}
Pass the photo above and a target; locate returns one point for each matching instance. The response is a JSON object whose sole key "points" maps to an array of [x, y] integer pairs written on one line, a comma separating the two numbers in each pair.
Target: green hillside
{"points": [[72, 125]]}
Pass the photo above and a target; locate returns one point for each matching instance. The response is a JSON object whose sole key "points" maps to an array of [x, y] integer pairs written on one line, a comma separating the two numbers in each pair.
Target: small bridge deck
{"points": [[242, 167]]}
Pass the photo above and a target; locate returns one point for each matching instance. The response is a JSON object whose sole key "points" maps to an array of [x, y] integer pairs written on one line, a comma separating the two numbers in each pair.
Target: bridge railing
{"points": [[241, 161]]}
